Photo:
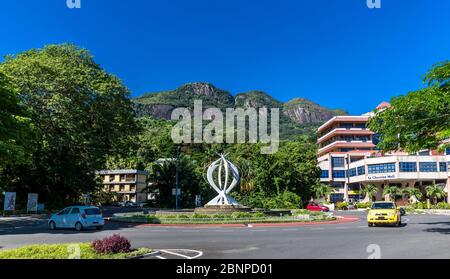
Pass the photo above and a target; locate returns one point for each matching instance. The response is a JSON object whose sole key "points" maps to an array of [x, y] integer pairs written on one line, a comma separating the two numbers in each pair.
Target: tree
{"points": [[321, 191], [370, 191], [392, 192], [435, 192], [419, 120], [15, 127], [163, 180], [412, 192], [79, 112]]}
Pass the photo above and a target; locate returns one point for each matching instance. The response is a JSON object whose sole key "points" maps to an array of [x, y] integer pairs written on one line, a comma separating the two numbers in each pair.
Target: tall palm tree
{"points": [[321, 191], [370, 191], [391, 191], [435, 192], [412, 192]]}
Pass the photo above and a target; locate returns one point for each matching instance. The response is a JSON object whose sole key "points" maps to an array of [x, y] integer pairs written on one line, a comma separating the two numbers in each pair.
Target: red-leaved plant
{"points": [[112, 245]]}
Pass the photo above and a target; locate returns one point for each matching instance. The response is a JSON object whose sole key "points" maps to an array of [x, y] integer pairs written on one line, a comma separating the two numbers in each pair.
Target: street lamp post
{"points": [[176, 178]]}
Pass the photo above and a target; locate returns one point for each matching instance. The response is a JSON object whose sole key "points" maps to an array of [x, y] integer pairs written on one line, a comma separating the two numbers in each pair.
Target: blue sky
{"points": [[337, 53]]}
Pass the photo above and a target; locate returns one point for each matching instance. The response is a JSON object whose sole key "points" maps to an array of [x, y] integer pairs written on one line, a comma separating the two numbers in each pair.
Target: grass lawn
{"points": [[65, 251]]}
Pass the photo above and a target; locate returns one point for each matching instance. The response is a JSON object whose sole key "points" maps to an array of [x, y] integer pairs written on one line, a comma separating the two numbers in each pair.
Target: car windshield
{"points": [[92, 211], [384, 205]]}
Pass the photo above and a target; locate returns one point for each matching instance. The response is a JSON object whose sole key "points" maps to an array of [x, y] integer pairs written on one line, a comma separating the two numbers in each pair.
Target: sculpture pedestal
{"points": [[222, 209]]}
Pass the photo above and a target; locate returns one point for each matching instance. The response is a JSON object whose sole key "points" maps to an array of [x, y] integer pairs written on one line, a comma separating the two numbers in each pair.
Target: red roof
{"points": [[383, 105]]}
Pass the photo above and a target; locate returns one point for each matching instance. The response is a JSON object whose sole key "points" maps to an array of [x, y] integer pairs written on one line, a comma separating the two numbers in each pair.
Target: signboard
{"points": [[10, 201], [174, 191], [381, 177], [198, 201], [32, 205]]}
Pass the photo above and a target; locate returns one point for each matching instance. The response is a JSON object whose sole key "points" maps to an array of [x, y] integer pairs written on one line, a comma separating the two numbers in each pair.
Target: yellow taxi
{"points": [[384, 213]]}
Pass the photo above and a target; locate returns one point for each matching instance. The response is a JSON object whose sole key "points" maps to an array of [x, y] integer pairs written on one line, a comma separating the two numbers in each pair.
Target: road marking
{"points": [[161, 258], [199, 253]]}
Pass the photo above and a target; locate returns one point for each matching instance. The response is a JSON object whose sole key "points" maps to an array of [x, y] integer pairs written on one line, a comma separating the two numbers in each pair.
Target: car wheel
{"points": [[99, 227], [52, 225], [78, 227], [370, 224]]}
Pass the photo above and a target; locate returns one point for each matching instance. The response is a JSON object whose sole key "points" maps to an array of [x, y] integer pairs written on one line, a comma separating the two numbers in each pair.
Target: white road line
{"points": [[200, 253], [161, 258]]}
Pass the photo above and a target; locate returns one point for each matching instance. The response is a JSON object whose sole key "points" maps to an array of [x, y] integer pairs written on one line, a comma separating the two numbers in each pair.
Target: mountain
{"points": [[298, 116]]}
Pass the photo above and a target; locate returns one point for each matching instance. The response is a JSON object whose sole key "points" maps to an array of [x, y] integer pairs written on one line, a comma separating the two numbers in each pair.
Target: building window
{"points": [[111, 178], [443, 167], [324, 174], [428, 167], [408, 167], [338, 162], [122, 188], [361, 170], [334, 198], [337, 185], [447, 151], [351, 172], [339, 174], [382, 168]]}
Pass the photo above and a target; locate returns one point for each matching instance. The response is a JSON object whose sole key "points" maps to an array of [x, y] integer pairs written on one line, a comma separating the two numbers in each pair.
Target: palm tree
{"points": [[412, 192], [391, 191], [435, 192], [321, 190], [370, 191]]}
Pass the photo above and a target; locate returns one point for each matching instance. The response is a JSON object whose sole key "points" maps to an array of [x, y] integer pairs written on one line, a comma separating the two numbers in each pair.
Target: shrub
{"points": [[342, 206], [200, 216], [285, 200], [420, 205], [112, 245], [364, 205], [182, 217], [442, 205]]}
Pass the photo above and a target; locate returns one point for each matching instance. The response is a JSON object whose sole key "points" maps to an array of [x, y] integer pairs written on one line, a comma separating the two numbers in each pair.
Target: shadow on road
{"points": [[41, 227], [442, 230]]}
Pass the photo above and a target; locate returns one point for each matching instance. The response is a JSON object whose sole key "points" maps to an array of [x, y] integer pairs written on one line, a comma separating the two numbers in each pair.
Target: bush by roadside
{"points": [[66, 251]]}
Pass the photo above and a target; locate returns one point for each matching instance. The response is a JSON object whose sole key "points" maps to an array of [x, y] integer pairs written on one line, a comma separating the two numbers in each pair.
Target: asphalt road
{"points": [[421, 236]]}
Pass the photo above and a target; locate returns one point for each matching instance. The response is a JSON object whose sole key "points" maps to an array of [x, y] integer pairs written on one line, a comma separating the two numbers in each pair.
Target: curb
{"points": [[145, 255]]}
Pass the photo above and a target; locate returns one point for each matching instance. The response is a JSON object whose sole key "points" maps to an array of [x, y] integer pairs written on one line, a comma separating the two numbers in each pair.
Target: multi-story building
{"points": [[349, 160], [130, 185]]}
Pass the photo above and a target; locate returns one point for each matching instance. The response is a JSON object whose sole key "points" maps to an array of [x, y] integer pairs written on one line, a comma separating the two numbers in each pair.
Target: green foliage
{"points": [[80, 113], [411, 191], [321, 190], [420, 119], [65, 251], [342, 206], [392, 192], [363, 205], [15, 127], [435, 192], [370, 190], [285, 200], [163, 179]]}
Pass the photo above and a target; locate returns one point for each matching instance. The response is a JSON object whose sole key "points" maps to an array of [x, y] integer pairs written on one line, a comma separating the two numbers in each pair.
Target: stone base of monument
{"points": [[222, 209]]}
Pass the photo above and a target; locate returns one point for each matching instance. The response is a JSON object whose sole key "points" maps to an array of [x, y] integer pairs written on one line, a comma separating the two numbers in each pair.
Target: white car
{"points": [[77, 217]]}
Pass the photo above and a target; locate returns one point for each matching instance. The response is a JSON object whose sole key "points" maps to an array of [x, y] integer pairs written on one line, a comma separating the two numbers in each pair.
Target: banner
{"points": [[10, 201], [32, 205]]}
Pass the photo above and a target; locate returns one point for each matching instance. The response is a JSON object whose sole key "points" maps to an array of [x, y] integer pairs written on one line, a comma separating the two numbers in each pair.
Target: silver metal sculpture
{"points": [[224, 184]]}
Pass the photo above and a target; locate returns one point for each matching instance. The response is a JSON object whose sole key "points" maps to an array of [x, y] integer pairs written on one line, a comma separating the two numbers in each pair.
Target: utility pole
{"points": [[177, 179]]}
